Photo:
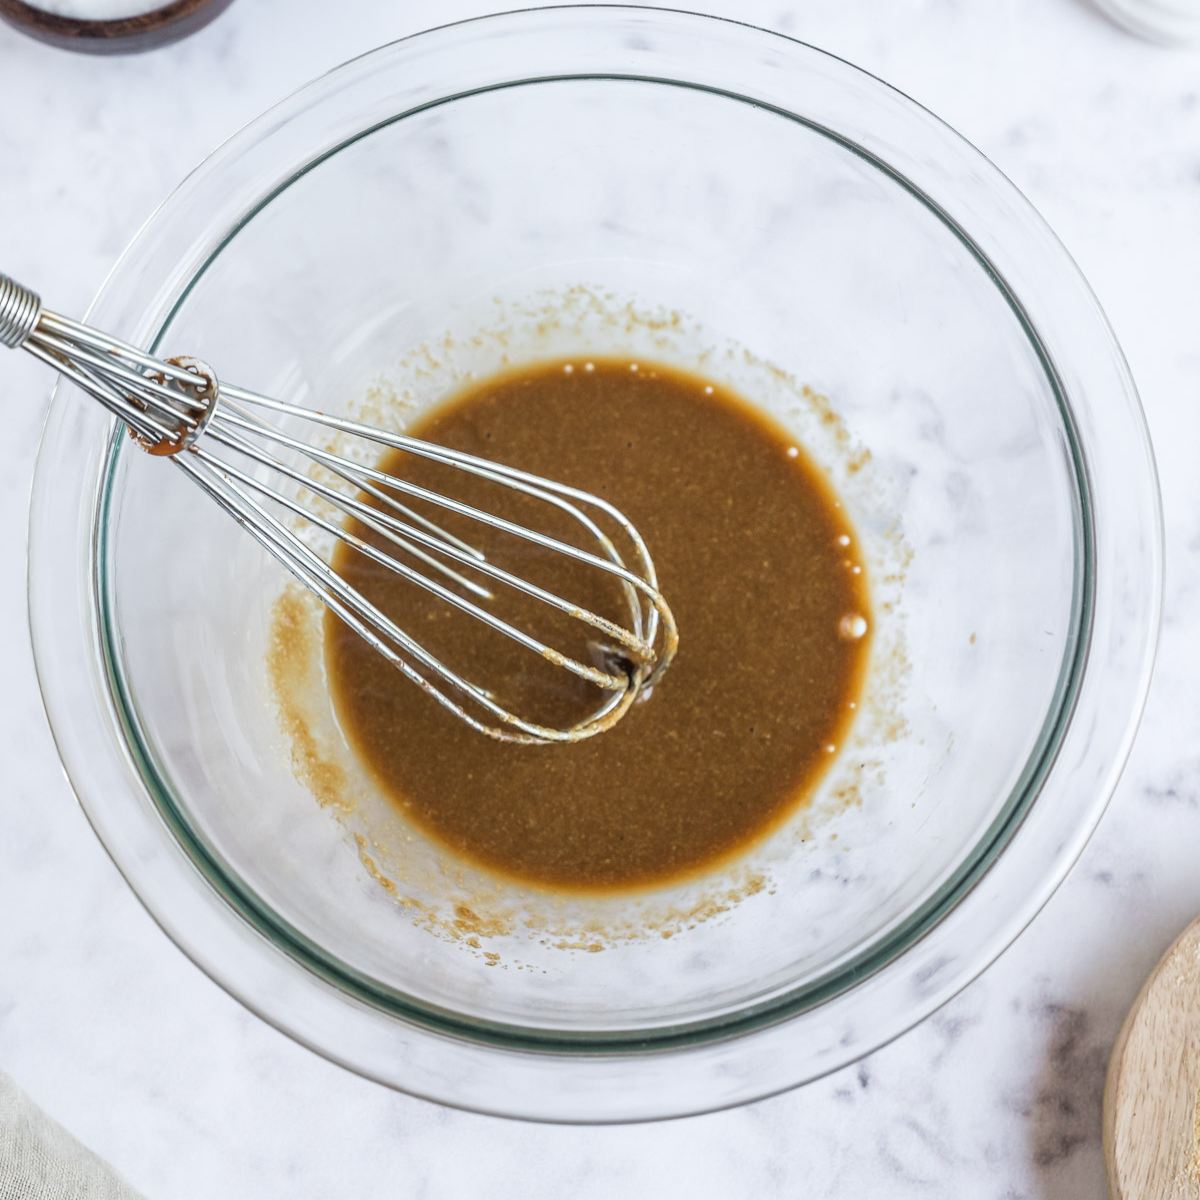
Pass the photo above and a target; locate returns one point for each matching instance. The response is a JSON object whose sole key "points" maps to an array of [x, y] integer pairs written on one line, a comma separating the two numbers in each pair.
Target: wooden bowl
{"points": [[120, 35]]}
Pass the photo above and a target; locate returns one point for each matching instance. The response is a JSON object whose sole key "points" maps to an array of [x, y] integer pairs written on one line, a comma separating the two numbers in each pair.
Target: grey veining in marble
{"points": [[997, 1096]]}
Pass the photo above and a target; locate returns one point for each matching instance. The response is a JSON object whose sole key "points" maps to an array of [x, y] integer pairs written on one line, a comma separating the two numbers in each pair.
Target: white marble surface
{"points": [[998, 1095]]}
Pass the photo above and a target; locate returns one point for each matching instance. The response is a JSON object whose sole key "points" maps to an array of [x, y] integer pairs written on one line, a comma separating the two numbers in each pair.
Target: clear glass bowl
{"points": [[752, 189]]}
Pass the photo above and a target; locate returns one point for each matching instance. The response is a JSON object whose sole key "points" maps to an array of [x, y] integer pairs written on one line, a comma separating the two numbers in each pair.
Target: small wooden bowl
{"points": [[121, 35]]}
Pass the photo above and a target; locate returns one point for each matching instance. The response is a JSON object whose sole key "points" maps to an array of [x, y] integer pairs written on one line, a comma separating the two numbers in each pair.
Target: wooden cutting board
{"points": [[1152, 1097]]}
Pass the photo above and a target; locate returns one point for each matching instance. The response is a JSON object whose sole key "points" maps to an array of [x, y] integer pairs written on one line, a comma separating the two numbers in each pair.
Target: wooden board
{"points": [[1152, 1097]]}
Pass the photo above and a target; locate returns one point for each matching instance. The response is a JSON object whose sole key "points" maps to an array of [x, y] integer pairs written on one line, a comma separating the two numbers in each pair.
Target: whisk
{"points": [[232, 443]]}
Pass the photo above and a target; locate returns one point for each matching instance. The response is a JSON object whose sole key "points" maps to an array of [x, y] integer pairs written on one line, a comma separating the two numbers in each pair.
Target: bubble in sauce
{"points": [[852, 627]]}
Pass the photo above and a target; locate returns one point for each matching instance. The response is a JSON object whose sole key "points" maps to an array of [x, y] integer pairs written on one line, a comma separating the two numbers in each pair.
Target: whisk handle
{"points": [[167, 404], [19, 312]]}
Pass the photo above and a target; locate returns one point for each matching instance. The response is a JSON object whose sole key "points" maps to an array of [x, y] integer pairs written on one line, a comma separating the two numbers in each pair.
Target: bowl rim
{"points": [[767, 1017]]}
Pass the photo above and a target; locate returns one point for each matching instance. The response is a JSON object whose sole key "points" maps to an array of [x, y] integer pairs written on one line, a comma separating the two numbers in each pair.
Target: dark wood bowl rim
{"points": [[137, 24]]}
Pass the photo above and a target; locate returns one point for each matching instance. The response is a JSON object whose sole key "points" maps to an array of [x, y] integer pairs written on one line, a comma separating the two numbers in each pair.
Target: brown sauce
{"points": [[761, 570]]}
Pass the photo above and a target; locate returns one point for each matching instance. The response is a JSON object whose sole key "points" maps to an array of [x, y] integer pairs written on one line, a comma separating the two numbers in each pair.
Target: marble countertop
{"points": [[114, 1032]]}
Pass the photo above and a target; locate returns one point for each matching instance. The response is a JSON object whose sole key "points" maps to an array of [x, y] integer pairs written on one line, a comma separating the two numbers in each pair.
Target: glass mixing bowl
{"points": [[700, 191]]}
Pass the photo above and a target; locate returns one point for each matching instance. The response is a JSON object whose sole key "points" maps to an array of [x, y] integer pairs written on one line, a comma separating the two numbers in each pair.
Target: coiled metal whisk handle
{"points": [[19, 312]]}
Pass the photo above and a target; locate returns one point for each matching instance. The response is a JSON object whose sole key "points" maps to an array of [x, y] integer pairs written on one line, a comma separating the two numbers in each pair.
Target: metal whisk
{"points": [[222, 436]]}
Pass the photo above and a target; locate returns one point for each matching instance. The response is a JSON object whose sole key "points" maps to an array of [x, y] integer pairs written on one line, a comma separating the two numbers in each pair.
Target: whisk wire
{"points": [[378, 630], [363, 512], [635, 643], [530, 485], [141, 422], [376, 555]]}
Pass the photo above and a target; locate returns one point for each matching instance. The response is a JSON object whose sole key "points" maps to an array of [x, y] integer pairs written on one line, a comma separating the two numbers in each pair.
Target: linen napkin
{"points": [[40, 1160]]}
